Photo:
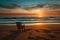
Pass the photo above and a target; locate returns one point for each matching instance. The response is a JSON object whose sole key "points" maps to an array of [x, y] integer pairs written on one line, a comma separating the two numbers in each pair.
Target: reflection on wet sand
{"points": [[31, 32]]}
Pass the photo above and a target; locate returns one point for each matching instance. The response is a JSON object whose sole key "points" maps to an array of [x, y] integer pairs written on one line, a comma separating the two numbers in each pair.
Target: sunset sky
{"points": [[49, 8]]}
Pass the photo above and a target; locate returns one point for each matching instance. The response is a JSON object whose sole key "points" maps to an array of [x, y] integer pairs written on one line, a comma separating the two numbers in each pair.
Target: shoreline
{"points": [[31, 23], [47, 26]]}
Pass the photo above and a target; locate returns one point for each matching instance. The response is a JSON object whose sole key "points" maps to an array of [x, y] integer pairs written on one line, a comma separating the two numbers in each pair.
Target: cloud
{"points": [[41, 10], [34, 7], [52, 6], [46, 6], [11, 6], [46, 9], [15, 11]]}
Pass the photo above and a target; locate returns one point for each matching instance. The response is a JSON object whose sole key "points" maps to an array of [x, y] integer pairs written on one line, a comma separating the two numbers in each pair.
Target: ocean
{"points": [[26, 19]]}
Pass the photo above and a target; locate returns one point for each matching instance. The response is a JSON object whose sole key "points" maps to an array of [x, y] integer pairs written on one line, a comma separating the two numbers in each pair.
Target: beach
{"points": [[32, 30], [48, 26]]}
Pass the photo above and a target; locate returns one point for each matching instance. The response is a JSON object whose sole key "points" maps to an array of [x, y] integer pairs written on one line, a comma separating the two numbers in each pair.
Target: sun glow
{"points": [[39, 12]]}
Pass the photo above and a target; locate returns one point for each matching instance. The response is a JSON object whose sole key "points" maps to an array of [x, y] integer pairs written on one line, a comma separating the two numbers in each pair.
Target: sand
{"points": [[37, 30]]}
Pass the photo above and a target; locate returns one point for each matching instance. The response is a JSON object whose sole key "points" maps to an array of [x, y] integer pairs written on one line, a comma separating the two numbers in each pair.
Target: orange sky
{"points": [[17, 14], [35, 12], [42, 14], [47, 10], [51, 13]]}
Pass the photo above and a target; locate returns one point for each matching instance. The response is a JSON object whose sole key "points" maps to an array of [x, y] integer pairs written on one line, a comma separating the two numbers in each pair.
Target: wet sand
{"points": [[47, 26], [43, 31]]}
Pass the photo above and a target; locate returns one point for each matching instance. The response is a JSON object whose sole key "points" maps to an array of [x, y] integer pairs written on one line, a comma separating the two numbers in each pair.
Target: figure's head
{"points": [[18, 23]]}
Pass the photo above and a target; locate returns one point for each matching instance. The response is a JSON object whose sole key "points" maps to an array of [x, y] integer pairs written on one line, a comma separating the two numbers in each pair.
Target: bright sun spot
{"points": [[39, 12]]}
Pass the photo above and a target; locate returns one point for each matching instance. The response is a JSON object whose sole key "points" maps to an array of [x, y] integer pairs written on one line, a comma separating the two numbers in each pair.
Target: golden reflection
{"points": [[41, 23], [34, 24]]}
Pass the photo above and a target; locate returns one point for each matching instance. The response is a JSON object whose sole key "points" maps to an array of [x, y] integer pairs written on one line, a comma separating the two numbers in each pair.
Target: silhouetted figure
{"points": [[20, 27]]}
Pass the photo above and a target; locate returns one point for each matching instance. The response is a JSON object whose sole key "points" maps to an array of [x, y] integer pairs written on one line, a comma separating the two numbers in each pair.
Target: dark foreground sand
{"points": [[32, 32]]}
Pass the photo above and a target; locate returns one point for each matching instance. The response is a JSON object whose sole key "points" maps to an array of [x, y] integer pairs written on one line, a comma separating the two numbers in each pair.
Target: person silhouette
{"points": [[20, 27]]}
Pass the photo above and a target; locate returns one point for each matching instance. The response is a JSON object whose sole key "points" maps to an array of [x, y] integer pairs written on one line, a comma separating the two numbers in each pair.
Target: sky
{"points": [[29, 2], [7, 7]]}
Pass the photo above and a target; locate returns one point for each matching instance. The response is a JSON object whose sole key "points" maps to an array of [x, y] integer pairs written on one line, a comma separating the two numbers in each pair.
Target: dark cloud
{"points": [[12, 6], [49, 6], [34, 7], [52, 6]]}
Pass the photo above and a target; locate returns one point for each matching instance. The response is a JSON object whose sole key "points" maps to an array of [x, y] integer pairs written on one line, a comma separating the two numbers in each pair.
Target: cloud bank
{"points": [[46, 9], [41, 10], [14, 11], [14, 8]]}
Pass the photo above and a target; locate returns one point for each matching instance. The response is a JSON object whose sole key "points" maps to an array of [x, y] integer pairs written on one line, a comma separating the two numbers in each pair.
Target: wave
{"points": [[14, 19]]}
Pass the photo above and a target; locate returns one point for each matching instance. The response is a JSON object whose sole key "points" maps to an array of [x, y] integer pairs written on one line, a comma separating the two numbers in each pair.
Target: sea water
{"points": [[26, 19]]}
